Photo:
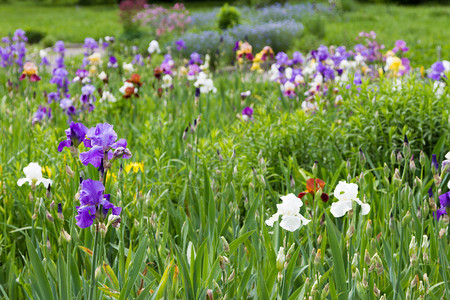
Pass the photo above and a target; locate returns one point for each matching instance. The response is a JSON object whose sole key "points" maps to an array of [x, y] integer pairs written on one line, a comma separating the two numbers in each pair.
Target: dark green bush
{"points": [[34, 36], [228, 17], [48, 41]]}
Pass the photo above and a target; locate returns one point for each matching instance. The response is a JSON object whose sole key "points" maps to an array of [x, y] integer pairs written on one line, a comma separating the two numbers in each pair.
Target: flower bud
{"points": [[393, 157], [369, 228], [69, 171], [367, 258], [399, 157], [418, 182], [406, 219], [315, 168], [362, 157], [49, 217], [422, 159], [281, 258], [226, 247], [231, 277]]}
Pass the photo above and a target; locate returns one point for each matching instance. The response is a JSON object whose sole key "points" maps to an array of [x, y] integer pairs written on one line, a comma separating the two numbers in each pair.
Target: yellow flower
{"points": [[95, 59], [92, 70], [109, 175], [46, 170], [135, 166], [422, 71], [255, 66]]}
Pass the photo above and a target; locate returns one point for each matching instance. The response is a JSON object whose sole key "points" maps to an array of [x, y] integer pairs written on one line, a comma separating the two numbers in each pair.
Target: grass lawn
{"points": [[69, 23]]}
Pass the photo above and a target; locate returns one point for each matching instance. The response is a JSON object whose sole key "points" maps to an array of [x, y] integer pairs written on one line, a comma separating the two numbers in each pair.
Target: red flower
{"points": [[312, 186], [135, 79]]}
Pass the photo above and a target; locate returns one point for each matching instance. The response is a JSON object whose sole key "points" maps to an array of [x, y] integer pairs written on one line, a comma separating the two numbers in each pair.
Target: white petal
{"points": [[303, 219], [44, 181], [33, 171], [346, 191], [365, 208], [338, 209], [21, 181], [290, 223], [272, 219], [291, 200]]}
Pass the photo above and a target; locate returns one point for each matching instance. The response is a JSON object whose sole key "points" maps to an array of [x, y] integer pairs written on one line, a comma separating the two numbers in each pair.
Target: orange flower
{"points": [[135, 79], [312, 186], [30, 71]]}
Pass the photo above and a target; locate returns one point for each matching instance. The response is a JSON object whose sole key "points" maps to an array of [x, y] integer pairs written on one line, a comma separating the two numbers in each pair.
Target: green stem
{"points": [[94, 262]]}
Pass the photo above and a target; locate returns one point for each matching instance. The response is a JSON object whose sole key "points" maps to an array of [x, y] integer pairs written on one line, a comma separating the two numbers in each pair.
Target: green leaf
{"points": [[338, 263], [235, 244], [135, 267], [42, 280]]}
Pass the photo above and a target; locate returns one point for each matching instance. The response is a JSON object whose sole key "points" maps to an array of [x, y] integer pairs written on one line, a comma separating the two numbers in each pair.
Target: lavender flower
{"points": [[434, 164], [113, 62], [444, 200], [247, 113], [76, 134], [41, 113], [195, 58], [94, 204], [180, 44], [102, 140]]}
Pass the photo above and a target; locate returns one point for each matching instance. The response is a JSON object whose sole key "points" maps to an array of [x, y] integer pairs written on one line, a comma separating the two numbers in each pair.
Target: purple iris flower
{"points": [[430, 192], [67, 107], [41, 113], [44, 62], [195, 58], [444, 200], [180, 44], [247, 113], [76, 134], [167, 64], [19, 34], [90, 44], [322, 53], [406, 63], [437, 71], [193, 70], [400, 45], [282, 58], [59, 47], [52, 97], [102, 140], [91, 199], [434, 164], [112, 62], [357, 79], [236, 46], [297, 58], [138, 60], [87, 93]]}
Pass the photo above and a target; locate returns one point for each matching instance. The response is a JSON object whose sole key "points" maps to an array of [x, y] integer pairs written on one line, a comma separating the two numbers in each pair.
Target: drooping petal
{"points": [[44, 181], [21, 181], [93, 156], [365, 208], [338, 209], [303, 219], [272, 219], [63, 144], [290, 223], [86, 216]]}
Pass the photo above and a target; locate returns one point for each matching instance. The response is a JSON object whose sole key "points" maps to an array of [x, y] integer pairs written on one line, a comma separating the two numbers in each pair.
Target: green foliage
{"points": [[35, 36], [48, 41], [316, 25], [228, 17]]}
